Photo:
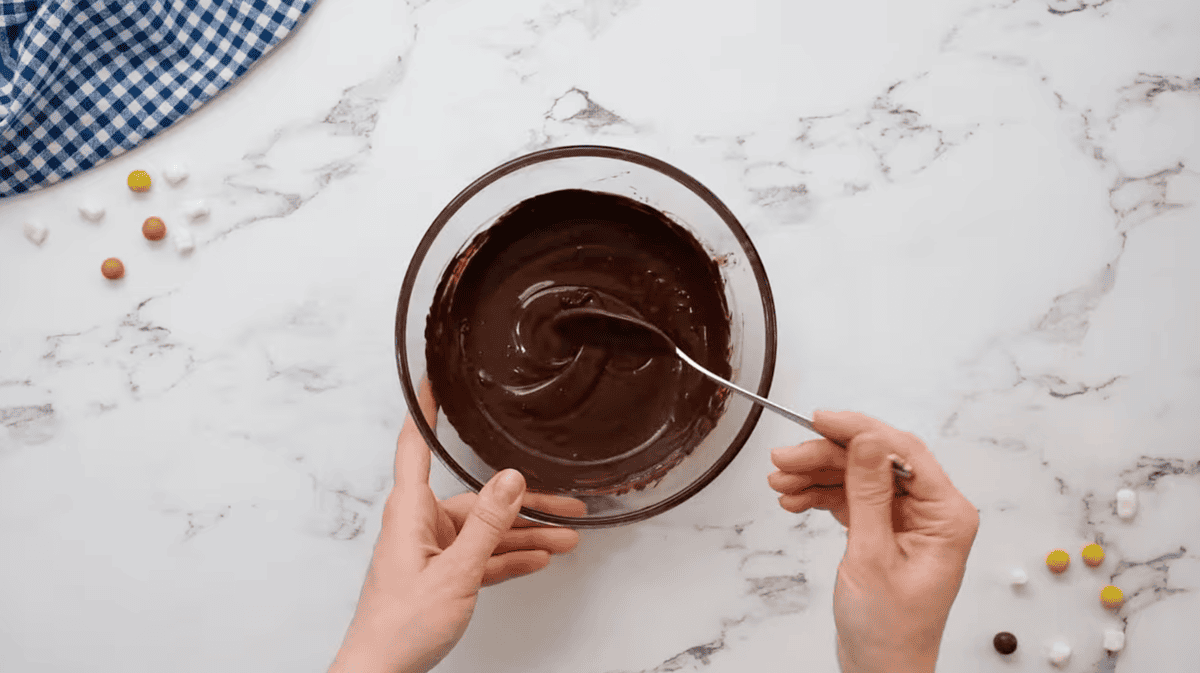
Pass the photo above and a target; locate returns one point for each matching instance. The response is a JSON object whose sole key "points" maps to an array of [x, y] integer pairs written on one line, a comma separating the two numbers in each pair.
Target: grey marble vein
{"points": [[200, 521], [1063, 7], [354, 115]]}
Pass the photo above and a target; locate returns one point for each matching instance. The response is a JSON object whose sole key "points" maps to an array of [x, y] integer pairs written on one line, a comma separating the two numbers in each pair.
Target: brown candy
{"points": [[112, 268], [154, 228]]}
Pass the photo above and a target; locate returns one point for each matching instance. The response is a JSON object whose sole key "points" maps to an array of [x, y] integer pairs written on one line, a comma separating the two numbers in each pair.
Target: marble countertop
{"points": [[979, 219]]}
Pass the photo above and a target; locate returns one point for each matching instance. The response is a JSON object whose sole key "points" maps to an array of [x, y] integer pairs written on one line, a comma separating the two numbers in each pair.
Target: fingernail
{"points": [[510, 485]]}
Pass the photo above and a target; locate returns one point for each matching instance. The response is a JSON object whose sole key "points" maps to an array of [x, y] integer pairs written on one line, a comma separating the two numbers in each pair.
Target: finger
{"points": [[514, 564], [552, 504], [459, 506], [490, 518], [789, 483], [428, 407], [786, 482], [797, 482], [930, 481], [841, 427], [553, 540], [813, 455], [870, 491], [833, 500], [412, 453]]}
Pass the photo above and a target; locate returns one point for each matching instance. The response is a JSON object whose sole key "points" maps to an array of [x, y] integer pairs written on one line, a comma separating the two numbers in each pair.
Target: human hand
{"points": [[905, 557], [433, 556]]}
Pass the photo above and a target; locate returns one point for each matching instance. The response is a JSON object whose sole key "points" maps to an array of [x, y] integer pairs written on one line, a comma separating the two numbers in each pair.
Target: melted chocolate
{"points": [[578, 415]]}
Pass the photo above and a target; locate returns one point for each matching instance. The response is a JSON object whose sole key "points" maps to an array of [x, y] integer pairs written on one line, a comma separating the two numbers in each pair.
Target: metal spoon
{"points": [[596, 325]]}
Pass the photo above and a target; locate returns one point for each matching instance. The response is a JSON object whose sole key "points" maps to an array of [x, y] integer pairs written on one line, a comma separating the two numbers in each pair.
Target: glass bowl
{"points": [[663, 187]]}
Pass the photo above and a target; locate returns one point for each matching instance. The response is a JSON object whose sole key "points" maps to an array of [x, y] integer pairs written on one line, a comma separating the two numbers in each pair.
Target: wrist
{"points": [[376, 643], [897, 661]]}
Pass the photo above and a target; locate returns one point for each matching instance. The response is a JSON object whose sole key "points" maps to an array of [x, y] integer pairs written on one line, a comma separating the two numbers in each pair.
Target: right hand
{"points": [[905, 557]]}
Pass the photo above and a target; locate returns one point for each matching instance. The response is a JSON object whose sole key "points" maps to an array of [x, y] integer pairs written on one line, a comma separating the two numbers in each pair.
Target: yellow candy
{"points": [[139, 181], [1093, 554], [1058, 560], [1111, 597]]}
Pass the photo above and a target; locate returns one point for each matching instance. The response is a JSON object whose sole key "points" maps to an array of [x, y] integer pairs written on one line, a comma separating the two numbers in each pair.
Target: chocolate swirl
{"points": [[578, 417]]}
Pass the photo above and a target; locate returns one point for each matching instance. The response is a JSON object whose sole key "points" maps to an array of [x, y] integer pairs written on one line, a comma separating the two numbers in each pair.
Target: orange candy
{"points": [[154, 228], [139, 181], [1058, 560], [112, 268]]}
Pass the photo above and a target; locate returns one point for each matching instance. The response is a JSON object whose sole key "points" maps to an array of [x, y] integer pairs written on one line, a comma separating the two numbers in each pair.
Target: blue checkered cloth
{"points": [[83, 81]]}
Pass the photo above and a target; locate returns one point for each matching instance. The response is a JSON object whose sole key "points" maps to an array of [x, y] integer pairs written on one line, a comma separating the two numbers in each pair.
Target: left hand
{"points": [[433, 556]]}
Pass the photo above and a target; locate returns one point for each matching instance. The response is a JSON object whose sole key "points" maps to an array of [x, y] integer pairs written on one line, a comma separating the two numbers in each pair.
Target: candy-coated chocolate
{"points": [[154, 228], [1093, 554], [1112, 597], [1058, 560], [139, 181], [1005, 642], [112, 268]]}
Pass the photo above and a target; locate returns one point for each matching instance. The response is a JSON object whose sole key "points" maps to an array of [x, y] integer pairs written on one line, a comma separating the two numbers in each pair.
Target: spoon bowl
{"points": [[603, 328]]}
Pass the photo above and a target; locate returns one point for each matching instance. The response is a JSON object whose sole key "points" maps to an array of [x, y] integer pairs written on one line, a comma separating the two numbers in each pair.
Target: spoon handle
{"points": [[782, 411]]}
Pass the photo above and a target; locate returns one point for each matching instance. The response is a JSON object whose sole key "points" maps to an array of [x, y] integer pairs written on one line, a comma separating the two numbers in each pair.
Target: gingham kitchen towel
{"points": [[82, 81]]}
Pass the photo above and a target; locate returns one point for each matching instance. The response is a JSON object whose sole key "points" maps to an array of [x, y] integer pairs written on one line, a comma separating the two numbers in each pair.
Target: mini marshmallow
{"points": [[1059, 653], [1114, 640], [91, 211], [176, 174], [1126, 503], [183, 240], [196, 209], [1018, 577], [36, 232]]}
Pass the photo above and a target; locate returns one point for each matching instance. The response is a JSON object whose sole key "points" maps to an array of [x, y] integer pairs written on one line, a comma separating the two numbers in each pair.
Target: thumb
{"points": [[492, 515], [870, 490]]}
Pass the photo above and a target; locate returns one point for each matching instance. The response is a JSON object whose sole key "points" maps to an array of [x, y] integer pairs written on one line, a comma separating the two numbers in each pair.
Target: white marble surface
{"points": [[980, 220]]}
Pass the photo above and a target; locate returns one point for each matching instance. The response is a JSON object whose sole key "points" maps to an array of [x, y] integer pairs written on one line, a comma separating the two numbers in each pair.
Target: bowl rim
{"points": [[620, 154]]}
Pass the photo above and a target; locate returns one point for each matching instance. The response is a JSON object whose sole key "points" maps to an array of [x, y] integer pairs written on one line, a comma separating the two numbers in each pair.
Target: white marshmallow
{"points": [[1126, 503], [1018, 577], [36, 232], [1059, 653], [176, 174], [196, 209], [91, 211], [1114, 640], [183, 240]]}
